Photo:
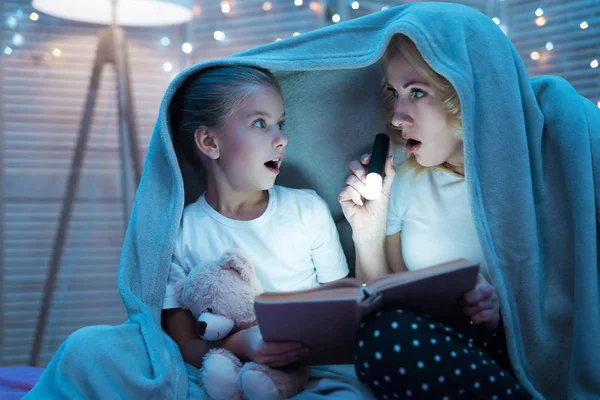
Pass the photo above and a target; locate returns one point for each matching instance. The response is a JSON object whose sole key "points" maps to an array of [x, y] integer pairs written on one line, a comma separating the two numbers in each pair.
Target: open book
{"points": [[327, 317]]}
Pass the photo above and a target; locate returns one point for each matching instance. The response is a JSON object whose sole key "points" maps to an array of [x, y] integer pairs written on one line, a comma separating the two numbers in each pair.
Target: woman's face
{"points": [[422, 117]]}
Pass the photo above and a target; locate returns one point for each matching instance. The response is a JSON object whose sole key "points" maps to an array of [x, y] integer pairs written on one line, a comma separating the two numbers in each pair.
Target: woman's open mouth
{"points": [[412, 145]]}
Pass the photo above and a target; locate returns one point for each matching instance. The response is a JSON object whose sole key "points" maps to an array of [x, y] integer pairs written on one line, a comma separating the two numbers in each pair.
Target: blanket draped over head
{"points": [[531, 161]]}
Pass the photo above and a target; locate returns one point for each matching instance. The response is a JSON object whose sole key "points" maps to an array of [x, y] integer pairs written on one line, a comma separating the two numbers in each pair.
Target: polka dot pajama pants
{"points": [[400, 355]]}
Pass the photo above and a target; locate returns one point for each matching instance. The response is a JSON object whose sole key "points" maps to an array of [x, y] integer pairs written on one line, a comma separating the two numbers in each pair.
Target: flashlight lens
{"points": [[374, 186]]}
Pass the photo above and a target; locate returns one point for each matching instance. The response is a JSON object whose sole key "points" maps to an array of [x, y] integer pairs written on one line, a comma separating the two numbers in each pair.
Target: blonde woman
{"points": [[425, 219]]}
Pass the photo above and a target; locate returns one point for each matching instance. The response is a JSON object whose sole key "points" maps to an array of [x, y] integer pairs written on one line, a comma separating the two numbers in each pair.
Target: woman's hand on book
{"points": [[272, 354], [482, 305], [367, 217]]}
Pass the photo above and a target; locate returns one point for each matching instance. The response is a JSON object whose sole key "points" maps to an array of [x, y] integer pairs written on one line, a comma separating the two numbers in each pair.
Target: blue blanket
{"points": [[531, 157]]}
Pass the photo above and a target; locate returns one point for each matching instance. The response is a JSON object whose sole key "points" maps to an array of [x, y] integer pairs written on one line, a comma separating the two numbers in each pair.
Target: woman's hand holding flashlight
{"points": [[367, 217]]}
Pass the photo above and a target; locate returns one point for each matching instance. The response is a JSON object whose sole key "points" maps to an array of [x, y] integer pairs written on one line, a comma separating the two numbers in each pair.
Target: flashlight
{"points": [[374, 180]]}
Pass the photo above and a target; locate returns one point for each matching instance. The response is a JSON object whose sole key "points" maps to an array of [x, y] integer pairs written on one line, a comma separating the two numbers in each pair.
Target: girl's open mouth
{"points": [[273, 165], [412, 145]]}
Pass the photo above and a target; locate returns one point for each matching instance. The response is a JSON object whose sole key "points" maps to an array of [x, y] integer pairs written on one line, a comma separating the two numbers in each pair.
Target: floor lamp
{"points": [[112, 48]]}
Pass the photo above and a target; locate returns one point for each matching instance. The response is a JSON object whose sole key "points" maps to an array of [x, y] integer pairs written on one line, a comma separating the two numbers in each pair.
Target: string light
{"points": [[598, 103], [11, 22], [7, 50], [535, 56], [278, 39], [165, 41], [225, 7], [197, 10], [298, 3], [219, 35], [316, 6], [336, 18], [56, 52], [267, 6], [17, 39], [539, 12], [186, 47], [296, 34], [594, 64], [384, 8], [34, 16], [584, 25], [496, 20], [549, 46], [540, 21], [168, 67], [355, 5]]}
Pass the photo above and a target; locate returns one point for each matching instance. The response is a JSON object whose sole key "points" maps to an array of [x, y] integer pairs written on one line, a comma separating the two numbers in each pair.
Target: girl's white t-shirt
{"points": [[293, 245], [432, 213]]}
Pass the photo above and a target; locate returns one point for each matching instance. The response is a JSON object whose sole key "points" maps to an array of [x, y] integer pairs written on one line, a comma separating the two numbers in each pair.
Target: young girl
{"points": [[228, 122], [428, 222]]}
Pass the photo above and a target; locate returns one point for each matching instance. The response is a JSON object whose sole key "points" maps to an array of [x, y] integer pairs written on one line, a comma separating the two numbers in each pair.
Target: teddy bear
{"points": [[221, 298]]}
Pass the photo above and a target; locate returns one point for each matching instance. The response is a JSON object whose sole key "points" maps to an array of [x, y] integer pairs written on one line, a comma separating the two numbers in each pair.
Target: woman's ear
{"points": [[207, 142]]}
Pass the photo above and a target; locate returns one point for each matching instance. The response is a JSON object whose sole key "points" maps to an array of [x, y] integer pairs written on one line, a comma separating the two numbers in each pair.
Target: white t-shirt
{"points": [[432, 213], [293, 245]]}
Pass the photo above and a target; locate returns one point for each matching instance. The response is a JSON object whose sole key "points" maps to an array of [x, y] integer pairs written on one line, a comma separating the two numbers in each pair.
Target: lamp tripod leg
{"points": [[70, 192]]}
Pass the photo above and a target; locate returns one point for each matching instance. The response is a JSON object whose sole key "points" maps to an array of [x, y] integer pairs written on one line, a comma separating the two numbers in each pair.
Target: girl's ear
{"points": [[207, 142]]}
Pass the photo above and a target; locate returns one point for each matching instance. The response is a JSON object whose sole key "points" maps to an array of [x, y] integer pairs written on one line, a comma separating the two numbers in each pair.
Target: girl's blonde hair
{"points": [[444, 91]]}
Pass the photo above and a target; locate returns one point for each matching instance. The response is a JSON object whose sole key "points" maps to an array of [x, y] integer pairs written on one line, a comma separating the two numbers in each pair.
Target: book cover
{"points": [[326, 318]]}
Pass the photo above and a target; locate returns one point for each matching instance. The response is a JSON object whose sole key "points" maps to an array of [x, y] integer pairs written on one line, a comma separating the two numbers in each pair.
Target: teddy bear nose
{"points": [[201, 328]]}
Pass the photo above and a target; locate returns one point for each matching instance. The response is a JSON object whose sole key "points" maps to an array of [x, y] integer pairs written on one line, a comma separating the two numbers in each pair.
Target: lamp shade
{"points": [[129, 12]]}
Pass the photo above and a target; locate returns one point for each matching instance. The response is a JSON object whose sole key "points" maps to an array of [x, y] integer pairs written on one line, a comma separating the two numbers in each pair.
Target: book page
{"points": [[346, 288], [402, 278]]}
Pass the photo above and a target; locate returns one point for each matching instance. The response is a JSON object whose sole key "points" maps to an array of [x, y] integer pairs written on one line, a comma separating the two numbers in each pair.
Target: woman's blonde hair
{"points": [[444, 92]]}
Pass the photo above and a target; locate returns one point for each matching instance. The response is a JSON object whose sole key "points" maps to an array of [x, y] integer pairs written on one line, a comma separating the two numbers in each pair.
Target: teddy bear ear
{"points": [[240, 264]]}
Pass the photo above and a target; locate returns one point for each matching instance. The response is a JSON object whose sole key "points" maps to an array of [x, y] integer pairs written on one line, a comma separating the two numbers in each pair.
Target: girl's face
{"points": [[421, 116], [252, 143]]}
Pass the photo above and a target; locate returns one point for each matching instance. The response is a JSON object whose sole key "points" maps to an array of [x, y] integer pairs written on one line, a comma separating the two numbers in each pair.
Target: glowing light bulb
{"points": [[594, 64], [336, 18], [298, 3], [540, 21], [186, 47], [225, 7], [56, 52], [549, 46], [219, 35], [17, 39], [535, 55], [355, 5], [584, 25], [165, 41], [496, 20], [316, 6], [296, 34], [34, 16], [168, 67], [267, 6], [7, 50], [11, 22], [539, 12]]}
